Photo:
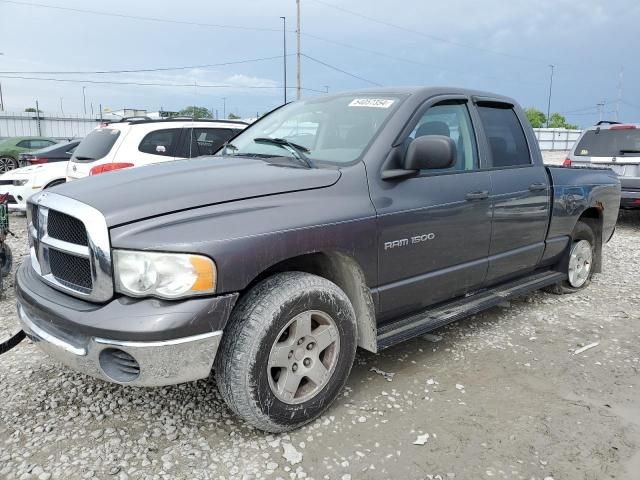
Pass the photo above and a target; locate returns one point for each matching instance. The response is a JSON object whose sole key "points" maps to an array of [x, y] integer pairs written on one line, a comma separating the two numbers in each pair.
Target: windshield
{"points": [[96, 145], [335, 129], [610, 143]]}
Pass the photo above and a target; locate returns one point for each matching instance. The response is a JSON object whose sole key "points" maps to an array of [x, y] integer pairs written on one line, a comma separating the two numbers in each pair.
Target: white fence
{"points": [[551, 139], [73, 126], [31, 124]]}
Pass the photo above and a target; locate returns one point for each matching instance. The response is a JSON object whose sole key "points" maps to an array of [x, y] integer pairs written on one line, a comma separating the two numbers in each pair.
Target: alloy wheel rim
{"points": [[303, 357], [580, 263], [4, 165]]}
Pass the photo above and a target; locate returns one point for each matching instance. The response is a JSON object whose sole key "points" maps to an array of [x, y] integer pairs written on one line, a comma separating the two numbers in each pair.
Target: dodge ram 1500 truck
{"points": [[354, 220]]}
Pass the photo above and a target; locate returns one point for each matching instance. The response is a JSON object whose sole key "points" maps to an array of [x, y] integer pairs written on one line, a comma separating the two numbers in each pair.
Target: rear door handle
{"points": [[481, 195], [536, 187]]}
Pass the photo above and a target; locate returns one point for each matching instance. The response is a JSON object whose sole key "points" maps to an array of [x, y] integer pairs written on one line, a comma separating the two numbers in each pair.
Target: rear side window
{"points": [[506, 138], [609, 143], [96, 145], [24, 144], [160, 142]]}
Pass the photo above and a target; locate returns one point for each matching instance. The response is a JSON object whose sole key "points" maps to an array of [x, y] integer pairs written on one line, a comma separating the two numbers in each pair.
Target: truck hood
{"points": [[134, 194]]}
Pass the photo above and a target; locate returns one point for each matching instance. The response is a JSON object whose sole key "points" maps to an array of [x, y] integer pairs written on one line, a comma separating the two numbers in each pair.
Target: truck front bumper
{"points": [[154, 351]]}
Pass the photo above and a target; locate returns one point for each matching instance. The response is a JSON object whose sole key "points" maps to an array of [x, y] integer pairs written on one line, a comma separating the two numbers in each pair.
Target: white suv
{"points": [[133, 142]]}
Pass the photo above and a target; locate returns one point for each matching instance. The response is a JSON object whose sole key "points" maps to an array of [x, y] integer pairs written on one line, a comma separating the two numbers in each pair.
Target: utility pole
{"points": [[1, 99], [326, 88], [298, 81], [600, 107], [284, 54], [84, 101], [38, 119], [61, 109], [224, 108], [619, 94], [549, 99]]}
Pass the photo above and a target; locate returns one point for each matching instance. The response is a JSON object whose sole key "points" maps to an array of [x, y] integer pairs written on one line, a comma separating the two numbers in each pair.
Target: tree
{"points": [[536, 117], [233, 116], [31, 110], [558, 121], [195, 112]]}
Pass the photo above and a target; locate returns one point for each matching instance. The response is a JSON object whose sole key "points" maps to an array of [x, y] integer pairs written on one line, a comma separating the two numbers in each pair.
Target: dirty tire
{"points": [[582, 231], [241, 370], [6, 260]]}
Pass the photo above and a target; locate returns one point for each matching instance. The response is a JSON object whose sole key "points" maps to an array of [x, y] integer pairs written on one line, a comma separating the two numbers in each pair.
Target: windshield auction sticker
{"points": [[371, 102]]}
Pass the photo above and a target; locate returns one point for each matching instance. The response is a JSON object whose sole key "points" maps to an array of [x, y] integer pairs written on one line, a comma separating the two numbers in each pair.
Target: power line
{"points": [[139, 17], [140, 70], [422, 34], [150, 84], [341, 71]]}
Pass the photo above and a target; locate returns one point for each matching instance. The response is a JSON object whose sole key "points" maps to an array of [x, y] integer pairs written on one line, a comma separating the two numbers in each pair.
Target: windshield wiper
{"points": [[298, 151], [630, 150]]}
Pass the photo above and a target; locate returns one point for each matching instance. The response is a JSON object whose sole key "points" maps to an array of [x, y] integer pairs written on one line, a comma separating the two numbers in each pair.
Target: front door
{"points": [[433, 229]]}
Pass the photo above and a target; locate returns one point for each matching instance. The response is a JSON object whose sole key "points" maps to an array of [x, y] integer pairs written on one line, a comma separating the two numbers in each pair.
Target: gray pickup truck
{"points": [[354, 220]]}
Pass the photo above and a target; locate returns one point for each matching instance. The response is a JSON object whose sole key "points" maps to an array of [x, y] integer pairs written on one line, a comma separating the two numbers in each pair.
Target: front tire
{"points": [[287, 351], [581, 260]]}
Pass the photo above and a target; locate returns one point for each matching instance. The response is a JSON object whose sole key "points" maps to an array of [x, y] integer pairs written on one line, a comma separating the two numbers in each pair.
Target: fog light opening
{"points": [[118, 365]]}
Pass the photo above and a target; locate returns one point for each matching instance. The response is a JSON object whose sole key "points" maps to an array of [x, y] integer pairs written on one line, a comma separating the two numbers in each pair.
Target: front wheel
{"points": [[581, 260], [287, 351]]}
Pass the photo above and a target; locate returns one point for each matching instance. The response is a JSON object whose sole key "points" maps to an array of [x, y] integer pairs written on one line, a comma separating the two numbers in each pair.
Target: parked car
{"points": [[59, 152], [392, 213], [616, 146], [23, 182], [141, 141], [11, 148]]}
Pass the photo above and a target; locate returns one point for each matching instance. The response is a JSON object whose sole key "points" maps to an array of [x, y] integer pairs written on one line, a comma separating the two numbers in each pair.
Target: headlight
{"points": [[164, 275], [19, 183]]}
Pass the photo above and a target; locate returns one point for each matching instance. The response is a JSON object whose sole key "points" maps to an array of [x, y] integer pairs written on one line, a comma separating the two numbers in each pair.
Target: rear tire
{"points": [[288, 329], [7, 164], [581, 260]]}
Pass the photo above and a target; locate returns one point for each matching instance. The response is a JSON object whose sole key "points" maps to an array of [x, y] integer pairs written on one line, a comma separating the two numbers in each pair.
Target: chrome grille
{"points": [[71, 271], [66, 228], [70, 246]]}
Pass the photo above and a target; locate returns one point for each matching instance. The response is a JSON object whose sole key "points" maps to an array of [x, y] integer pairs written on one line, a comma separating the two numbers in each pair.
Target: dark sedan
{"points": [[60, 152]]}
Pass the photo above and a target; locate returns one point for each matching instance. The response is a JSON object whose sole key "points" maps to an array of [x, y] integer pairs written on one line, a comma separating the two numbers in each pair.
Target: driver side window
{"points": [[450, 120]]}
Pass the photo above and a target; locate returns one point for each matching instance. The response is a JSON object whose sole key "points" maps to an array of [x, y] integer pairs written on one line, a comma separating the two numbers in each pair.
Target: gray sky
{"points": [[496, 45]]}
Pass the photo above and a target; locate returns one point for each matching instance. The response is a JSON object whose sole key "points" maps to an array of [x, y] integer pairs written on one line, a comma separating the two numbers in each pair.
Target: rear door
{"points": [[157, 146], [520, 193]]}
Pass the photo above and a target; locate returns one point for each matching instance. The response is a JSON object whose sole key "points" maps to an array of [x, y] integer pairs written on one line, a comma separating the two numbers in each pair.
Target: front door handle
{"points": [[481, 195], [536, 187]]}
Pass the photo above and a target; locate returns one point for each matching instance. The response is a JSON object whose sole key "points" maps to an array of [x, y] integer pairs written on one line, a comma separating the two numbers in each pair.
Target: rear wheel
{"points": [[581, 260], [287, 351], [7, 164]]}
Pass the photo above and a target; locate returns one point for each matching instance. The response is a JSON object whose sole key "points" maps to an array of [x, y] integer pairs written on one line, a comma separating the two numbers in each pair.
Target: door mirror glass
{"points": [[430, 152]]}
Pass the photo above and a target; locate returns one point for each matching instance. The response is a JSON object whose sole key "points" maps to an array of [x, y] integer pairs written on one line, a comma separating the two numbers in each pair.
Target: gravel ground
{"points": [[500, 395]]}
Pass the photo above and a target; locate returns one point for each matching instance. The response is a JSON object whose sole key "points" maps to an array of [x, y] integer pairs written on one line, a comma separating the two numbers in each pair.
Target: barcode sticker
{"points": [[371, 102]]}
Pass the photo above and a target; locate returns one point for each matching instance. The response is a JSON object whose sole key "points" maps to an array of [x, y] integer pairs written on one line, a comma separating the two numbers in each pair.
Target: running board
{"points": [[423, 322]]}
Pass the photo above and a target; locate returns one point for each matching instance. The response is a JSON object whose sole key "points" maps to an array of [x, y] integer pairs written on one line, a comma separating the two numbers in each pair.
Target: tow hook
{"points": [[11, 339]]}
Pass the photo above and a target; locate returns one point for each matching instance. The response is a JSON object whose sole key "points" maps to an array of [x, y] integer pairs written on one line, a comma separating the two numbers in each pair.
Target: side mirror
{"points": [[430, 152]]}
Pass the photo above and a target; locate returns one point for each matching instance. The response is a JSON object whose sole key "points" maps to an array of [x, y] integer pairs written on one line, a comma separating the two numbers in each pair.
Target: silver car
{"points": [[616, 146]]}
